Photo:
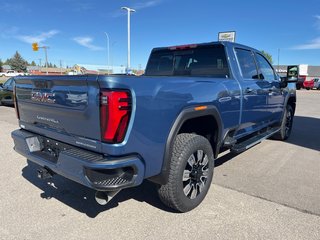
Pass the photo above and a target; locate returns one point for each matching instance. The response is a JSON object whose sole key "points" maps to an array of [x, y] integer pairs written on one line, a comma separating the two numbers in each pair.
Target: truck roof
{"points": [[193, 45]]}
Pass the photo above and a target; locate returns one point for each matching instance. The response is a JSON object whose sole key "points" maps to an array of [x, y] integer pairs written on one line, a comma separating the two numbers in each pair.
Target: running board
{"points": [[243, 146]]}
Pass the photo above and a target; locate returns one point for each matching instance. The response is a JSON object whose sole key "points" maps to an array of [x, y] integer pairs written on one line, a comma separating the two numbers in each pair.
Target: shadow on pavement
{"points": [[82, 198], [306, 132], [6, 105], [225, 158]]}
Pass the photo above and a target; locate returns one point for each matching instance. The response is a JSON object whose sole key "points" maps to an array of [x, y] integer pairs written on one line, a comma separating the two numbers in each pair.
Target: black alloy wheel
{"points": [[190, 173]]}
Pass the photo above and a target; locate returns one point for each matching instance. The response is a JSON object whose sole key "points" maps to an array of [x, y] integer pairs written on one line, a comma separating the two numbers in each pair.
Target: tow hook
{"points": [[103, 198], [44, 173]]}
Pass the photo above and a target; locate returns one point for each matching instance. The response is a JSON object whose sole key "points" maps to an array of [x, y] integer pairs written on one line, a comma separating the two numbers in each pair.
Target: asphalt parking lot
{"points": [[271, 191]]}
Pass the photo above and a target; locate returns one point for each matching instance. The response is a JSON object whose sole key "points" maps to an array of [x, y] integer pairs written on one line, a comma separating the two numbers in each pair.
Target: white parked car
{"points": [[11, 73]]}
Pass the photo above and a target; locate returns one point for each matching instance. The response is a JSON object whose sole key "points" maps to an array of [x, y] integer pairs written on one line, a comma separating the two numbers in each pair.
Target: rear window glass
{"points": [[209, 60]]}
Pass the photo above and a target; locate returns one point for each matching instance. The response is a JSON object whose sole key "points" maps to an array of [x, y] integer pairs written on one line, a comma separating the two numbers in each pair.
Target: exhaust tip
{"points": [[102, 198]]}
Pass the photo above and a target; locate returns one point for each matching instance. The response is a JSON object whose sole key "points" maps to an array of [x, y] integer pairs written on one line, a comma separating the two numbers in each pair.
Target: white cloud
{"points": [[8, 32], [314, 44], [317, 21], [137, 6], [87, 42], [142, 5], [11, 7], [42, 37], [81, 6]]}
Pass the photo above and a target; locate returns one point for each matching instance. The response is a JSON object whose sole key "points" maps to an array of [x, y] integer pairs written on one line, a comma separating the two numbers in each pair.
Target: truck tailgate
{"points": [[64, 106]]}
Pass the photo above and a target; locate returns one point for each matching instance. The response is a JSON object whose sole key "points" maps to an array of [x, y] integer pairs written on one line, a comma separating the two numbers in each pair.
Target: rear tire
{"points": [[190, 173], [286, 125]]}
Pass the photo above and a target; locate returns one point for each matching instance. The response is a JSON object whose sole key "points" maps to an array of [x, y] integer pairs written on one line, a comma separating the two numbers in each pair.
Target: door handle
{"points": [[273, 89], [248, 90]]}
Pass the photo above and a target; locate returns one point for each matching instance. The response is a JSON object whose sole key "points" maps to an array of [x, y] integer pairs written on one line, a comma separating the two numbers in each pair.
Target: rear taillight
{"points": [[15, 102], [115, 111]]}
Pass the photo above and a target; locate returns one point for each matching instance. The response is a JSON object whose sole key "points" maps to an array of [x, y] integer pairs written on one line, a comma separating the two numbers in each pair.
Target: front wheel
{"points": [[190, 174], [286, 125]]}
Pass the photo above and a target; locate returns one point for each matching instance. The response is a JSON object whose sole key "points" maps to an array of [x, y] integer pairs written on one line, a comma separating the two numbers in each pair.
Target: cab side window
{"points": [[265, 68], [247, 64]]}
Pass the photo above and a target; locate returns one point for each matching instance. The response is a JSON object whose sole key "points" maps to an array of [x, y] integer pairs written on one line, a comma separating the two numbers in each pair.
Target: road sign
{"points": [[227, 36], [35, 46]]}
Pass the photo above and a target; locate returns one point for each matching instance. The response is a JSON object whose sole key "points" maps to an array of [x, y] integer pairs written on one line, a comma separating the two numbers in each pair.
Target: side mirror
{"points": [[292, 74], [283, 82]]}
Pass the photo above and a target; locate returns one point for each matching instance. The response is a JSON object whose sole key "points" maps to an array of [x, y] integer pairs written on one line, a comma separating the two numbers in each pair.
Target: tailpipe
{"points": [[103, 198]]}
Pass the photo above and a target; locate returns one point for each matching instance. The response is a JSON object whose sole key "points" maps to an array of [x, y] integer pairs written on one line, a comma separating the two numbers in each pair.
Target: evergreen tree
{"points": [[268, 56], [33, 63], [1, 64], [17, 63]]}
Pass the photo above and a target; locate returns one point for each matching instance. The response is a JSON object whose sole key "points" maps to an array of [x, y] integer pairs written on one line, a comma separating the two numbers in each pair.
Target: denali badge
{"points": [[48, 119], [43, 97]]}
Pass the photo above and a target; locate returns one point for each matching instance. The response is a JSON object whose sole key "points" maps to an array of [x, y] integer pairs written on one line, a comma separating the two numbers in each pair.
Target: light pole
{"points": [[45, 51], [129, 10], [278, 59], [108, 49], [112, 56]]}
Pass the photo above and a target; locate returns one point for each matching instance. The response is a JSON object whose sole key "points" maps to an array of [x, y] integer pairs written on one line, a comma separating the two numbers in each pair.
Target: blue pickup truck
{"points": [[168, 126]]}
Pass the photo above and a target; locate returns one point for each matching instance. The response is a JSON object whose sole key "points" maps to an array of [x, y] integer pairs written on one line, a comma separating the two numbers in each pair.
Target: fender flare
{"points": [[186, 114], [290, 96]]}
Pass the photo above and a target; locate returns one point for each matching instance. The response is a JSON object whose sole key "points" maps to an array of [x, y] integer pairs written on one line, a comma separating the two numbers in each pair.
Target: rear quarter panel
{"points": [[157, 102]]}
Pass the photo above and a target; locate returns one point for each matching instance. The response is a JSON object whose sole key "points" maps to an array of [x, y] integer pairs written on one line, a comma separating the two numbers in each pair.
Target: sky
{"points": [[75, 30]]}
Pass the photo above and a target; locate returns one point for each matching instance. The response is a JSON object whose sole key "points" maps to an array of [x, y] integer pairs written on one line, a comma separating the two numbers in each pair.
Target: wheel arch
{"points": [[181, 125], [292, 102]]}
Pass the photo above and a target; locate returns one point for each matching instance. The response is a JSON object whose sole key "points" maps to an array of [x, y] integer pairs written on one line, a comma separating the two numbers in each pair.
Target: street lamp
{"points": [[35, 47], [45, 50], [108, 49], [129, 10], [278, 59]]}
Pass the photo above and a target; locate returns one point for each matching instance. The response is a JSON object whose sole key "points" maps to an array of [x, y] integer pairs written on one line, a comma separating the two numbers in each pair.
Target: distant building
{"points": [[305, 71], [36, 70], [6, 68], [33, 69], [103, 69], [79, 69]]}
